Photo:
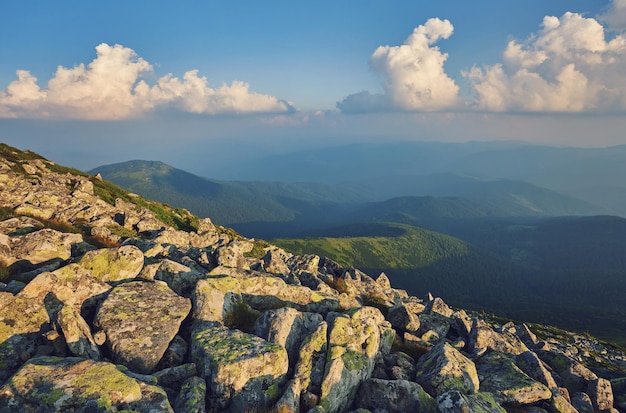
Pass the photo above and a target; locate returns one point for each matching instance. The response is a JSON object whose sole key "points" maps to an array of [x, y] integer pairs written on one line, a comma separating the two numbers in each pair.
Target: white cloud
{"points": [[568, 66], [414, 75], [615, 15], [111, 87]]}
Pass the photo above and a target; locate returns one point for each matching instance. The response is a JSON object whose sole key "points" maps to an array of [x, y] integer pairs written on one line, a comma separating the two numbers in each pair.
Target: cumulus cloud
{"points": [[615, 15], [567, 66], [112, 87], [414, 75]]}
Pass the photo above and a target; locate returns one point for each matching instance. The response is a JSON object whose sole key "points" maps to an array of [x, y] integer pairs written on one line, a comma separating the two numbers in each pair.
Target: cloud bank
{"points": [[112, 87], [570, 65], [567, 66], [413, 73]]}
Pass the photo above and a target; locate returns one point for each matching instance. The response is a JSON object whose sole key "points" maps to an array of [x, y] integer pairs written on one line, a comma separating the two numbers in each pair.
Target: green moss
{"points": [[273, 392], [106, 384]]}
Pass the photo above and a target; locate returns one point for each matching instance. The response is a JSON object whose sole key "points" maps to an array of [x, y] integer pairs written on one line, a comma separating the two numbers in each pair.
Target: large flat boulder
{"points": [[140, 320], [114, 264], [54, 384], [243, 372]]}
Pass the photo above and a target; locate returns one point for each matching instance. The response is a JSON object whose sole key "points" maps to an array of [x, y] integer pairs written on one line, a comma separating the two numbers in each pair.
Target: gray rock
{"points": [[40, 246], [444, 368], [140, 320], [573, 375], [498, 374], [242, 371], [394, 396], [77, 334], [437, 305], [175, 354], [582, 402], [457, 402], [192, 396], [560, 402], [530, 364], [484, 337], [355, 340], [601, 394], [174, 377], [114, 264], [287, 327], [179, 277], [309, 370], [274, 261], [402, 319], [63, 384]]}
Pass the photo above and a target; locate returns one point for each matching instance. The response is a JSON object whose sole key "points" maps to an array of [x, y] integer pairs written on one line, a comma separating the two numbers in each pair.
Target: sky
{"points": [[197, 83]]}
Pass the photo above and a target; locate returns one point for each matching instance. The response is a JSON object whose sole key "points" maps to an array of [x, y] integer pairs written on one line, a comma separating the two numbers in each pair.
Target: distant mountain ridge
{"points": [[275, 209]]}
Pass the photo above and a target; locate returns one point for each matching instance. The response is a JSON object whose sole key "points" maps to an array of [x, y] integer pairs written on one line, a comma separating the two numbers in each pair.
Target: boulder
{"points": [[243, 372], [601, 394], [64, 384], [77, 334], [394, 396], [530, 364], [192, 396], [402, 319], [437, 305], [287, 327], [174, 377], [484, 337], [444, 368], [499, 375], [140, 320], [179, 277], [355, 340], [114, 264], [39, 247], [309, 370], [457, 402]]}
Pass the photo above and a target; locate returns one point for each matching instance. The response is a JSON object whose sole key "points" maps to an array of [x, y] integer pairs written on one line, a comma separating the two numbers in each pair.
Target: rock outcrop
{"points": [[126, 305]]}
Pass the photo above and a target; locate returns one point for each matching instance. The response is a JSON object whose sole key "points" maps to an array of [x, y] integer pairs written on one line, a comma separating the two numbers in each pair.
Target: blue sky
{"points": [[287, 74]]}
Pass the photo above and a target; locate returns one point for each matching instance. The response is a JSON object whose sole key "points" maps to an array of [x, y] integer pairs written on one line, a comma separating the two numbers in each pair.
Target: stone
{"points": [[287, 327], [573, 375], [582, 402], [309, 370], [394, 396], [242, 371], [179, 277], [499, 375], [530, 364], [114, 264], [40, 246], [437, 305], [140, 320], [274, 261], [174, 377], [484, 337], [77, 334], [192, 396], [402, 319], [62, 384], [355, 340], [457, 402], [601, 394], [175, 354], [444, 368]]}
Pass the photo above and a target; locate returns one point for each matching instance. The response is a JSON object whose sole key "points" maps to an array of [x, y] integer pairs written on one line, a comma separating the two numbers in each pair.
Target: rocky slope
{"points": [[111, 306]]}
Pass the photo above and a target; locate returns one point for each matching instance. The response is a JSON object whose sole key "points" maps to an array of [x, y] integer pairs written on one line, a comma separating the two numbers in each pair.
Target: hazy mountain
{"points": [[591, 174], [278, 209]]}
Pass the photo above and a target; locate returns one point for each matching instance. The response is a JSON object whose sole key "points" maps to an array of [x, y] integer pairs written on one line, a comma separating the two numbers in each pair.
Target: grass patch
{"points": [[258, 250]]}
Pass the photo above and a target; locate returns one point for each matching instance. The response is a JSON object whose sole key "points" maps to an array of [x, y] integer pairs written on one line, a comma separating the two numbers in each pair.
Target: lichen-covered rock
{"points": [[64, 384], [22, 320], [242, 371], [530, 364], [309, 370], [401, 318], [232, 254], [19, 225], [601, 394], [192, 396], [216, 296], [355, 340], [582, 402], [179, 277], [287, 327], [394, 396], [498, 374], [484, 337], [39, 247], [437, 305], [77, 334], [444, 368], [174, 377], [274, 261], [114, 264], [560, 402], [140, 320], [573, 375], [175, 354], [457, 402]]}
